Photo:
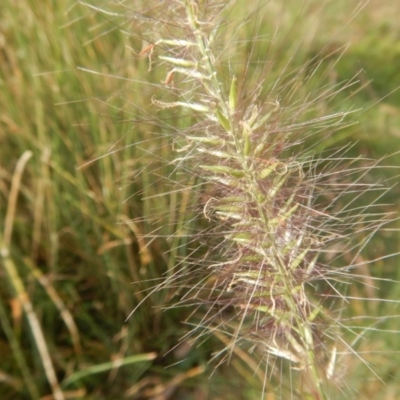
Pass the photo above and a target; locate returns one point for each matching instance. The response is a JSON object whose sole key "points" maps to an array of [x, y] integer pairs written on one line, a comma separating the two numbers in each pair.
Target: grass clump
{"points": [[250, 231]]}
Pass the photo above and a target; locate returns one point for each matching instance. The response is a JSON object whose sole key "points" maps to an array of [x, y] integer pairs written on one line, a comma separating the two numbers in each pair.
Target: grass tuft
{"points": [[222, 169]]}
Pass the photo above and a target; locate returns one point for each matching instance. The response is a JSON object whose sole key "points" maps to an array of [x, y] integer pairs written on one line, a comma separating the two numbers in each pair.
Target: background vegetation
{"points": [[72, 229]]}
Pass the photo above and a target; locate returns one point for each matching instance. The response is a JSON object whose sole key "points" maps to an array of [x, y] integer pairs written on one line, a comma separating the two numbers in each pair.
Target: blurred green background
{"points": [[78, 153]]}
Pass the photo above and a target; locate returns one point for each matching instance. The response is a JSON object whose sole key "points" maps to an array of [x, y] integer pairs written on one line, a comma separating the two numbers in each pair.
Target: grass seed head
{"points": [[280, 212]]}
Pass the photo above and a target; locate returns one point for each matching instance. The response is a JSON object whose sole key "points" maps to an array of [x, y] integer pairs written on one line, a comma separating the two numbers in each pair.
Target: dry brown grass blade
{"points": [[17, 283], [12, 200], [59, 303]]}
